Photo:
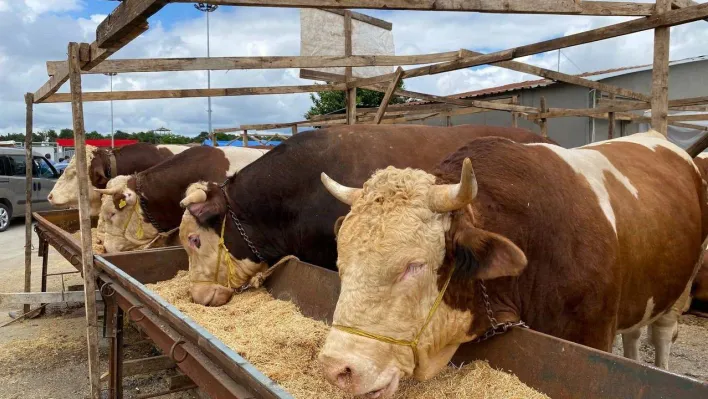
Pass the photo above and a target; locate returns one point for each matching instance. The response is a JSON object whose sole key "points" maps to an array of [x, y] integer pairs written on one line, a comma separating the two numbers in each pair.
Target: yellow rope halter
{"points": [[413, 344], [226, 255]]}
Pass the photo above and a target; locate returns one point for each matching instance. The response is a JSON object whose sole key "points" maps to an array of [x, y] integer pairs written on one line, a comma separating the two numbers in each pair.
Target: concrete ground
{"points": [[46, 357]]}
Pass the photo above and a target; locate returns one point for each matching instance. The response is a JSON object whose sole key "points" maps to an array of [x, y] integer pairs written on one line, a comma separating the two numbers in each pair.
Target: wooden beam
{"points": [[29, 99], [620, 107], [350, 99], [563, 7], [38, 298], [294, 130], [611, 122], [275, 62], [562, 77], [671, 18], [387, 97], [543, 122], [77, 112], [684, 3], [362, 18], [698, 147], [189, 93], [660, 72], [96, 56], [694, 117], [124, 19], [699, 108], [144, 366], [514, 116]]}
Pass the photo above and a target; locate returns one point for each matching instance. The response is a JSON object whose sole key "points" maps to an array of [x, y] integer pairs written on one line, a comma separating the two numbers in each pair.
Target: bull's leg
{"points": [[630, 343], [663, 333]]}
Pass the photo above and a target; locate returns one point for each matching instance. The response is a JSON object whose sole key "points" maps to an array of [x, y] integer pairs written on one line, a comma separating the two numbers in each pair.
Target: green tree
{"points": [[66, 134], [52, 135], [333, 102], [119, 134], [94, 135]]}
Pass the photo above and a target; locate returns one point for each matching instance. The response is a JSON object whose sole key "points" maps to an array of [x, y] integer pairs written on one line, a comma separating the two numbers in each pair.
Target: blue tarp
{"points": [[251, 143]]}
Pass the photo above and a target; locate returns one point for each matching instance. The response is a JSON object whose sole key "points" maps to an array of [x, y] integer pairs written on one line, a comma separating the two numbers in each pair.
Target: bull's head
{"points": [[213, 272], [125, 229], [396, 248], [65, 193]]}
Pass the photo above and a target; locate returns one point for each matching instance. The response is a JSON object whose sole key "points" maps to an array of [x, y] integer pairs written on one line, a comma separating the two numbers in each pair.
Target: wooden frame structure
{"points": [[129, 20]]}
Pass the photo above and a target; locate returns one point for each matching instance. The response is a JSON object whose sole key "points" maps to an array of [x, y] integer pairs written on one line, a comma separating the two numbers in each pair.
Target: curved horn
{"points": [[340, 192], [451, 197], [109, 191], [196, 196]]}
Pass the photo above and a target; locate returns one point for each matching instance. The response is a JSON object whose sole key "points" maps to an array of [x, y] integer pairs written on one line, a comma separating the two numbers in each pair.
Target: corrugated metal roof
{"points": [[595, 76]]}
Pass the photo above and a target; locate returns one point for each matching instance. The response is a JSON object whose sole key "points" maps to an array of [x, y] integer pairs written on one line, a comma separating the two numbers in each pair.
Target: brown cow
{"points": [[105, 164], [579, 243], [285, 210]]}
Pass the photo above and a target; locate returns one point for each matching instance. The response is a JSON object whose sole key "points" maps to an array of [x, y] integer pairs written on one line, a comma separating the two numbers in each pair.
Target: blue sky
{"points": [[44, 27]]}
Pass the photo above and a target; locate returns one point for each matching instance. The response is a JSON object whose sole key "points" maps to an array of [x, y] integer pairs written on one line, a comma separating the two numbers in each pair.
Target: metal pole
{"points": [[208, 8], [29, 192], [112, 74]]}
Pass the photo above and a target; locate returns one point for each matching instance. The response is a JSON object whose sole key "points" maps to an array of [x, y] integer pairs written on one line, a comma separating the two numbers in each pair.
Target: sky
{"points": [[35, 31]]}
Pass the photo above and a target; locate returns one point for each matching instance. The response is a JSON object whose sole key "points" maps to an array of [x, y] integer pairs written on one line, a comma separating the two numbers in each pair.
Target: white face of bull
{"points": [[391, 259], [212, 279], [124, 227], [65, 193]]}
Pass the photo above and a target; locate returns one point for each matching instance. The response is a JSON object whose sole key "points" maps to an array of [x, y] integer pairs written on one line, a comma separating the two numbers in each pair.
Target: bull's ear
{"points": [[338, 225], [119, 201], [483, 255], [98, 177]]}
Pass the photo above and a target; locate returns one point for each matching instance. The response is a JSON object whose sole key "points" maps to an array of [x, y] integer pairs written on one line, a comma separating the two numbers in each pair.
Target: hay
{"points": [[97, 247], [47, 349], [283, 344]]}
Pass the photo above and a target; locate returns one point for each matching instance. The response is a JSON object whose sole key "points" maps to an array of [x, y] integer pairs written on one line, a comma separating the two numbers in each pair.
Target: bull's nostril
{"points": [[344, 378], [195, 241], [50, 197]]}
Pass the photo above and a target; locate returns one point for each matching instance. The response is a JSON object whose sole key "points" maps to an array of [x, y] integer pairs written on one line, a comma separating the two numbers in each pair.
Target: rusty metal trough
{"points": [[559, 368]]}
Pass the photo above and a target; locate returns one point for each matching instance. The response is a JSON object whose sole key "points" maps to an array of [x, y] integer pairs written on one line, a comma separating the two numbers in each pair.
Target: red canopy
{"points": [[97, 142]]}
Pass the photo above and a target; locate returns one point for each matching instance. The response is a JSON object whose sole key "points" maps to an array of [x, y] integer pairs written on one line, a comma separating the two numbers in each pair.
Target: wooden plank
{"points": [[124, 19], [362, 18], [611, 122], [562, 77], [698, 147], [543, 122], [189, 93], [660, 72], [671, 18], [294, 130], [694, 117], [29, 99], [275, 62], [622, 107], [96, 56], [684, 3], [180, 381], [563, 7], [388, 96], [38, 298], [77, 112], [350, 99], [699, 108], [514, 116]]}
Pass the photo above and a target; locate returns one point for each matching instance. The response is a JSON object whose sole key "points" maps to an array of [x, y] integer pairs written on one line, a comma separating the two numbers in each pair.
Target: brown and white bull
{"points": [[283, 208], [103, 165], [139, 210], [581, 244]]}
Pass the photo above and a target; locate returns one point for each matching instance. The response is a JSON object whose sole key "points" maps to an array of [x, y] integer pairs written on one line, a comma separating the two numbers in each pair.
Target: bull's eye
{"points": [[412, 269]]}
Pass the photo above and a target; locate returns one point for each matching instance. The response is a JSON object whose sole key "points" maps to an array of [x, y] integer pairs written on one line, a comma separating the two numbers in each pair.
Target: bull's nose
{"points": [[50, 197], [194, 241], [337, 373]]}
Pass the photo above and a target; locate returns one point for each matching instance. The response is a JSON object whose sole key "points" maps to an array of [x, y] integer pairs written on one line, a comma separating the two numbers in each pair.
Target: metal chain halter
{"points": [[143, 205], [238, 224], [496, 328]]}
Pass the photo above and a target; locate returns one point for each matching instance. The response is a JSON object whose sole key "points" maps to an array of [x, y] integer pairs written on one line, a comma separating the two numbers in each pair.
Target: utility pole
{"points": [[112, 74], [208, 9]]}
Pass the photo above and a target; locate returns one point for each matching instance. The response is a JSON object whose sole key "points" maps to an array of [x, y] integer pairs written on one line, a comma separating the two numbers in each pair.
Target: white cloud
{"points": [[269, 31]]}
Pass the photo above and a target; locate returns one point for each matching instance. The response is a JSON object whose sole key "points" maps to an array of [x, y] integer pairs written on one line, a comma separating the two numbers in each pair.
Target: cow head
{"points": [[396, 249], [213, 272], [124, 227], [65, 193]]}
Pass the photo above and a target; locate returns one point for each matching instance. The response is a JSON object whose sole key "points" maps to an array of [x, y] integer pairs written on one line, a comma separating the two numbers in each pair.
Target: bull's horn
{"points": [[196, 196], [342, 193], [451, 197], [109, 191]]}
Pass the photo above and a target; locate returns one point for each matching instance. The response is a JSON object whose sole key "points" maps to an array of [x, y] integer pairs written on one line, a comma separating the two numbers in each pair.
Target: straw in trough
{"points": [[283, 344], [97, 247]]}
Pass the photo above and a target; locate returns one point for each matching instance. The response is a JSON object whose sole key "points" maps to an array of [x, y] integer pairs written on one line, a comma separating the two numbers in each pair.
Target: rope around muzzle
{"points": [[223, 254], [140, 231], [413, 344]]}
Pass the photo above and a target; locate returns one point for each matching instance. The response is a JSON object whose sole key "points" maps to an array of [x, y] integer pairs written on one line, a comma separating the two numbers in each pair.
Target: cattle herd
{"points": [[440, 235]]}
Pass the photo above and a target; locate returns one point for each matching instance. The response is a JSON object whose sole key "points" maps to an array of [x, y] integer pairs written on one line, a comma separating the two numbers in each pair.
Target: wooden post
{"points": [[448, 121], [212, 137], [660, 73], [544, 122], [244, 136], [387, 96], [611, 121], [294, 129], [350, 100], [29, 102], [514, 115], [77, 111]]}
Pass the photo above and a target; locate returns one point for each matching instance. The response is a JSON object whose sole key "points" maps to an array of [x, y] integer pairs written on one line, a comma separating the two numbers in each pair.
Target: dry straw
{"points": [[97, 248], [283, 344]]}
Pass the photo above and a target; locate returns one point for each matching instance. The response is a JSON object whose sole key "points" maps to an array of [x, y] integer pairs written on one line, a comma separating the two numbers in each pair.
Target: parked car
{"points": [[12, 184]]}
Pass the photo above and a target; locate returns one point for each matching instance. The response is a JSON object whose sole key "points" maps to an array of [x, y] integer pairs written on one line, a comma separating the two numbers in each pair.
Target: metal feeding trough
{"points": [[558, 368]]}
